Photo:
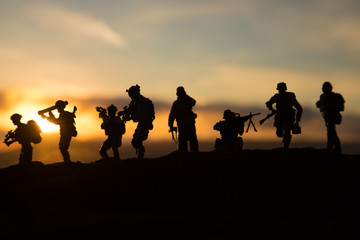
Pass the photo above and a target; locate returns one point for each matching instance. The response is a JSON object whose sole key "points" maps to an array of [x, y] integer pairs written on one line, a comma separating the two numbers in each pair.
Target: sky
{"points": [[225, 53]]}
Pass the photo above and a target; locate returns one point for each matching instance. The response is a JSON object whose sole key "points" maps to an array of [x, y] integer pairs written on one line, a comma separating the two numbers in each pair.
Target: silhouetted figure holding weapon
{"points": [[24, 134], [140, 110], [114, 128], [230, 128], [67, 126], [181, 111], [285, 118], [331, 104]]}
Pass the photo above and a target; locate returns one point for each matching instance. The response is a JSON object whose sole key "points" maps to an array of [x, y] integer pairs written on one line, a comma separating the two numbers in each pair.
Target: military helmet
{"points": [[112, 108], [327, 87], [281, 86], [60, 104], [228, 114], [16, 117], [134, 89]]}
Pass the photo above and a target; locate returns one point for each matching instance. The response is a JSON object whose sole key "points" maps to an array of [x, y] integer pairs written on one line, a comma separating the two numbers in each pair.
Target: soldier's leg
{"points": [[140, 135], [194, 144], [64, 145], [27, 153], [182, 138], [333, 139], [287, 138], [116, 143], [104, 147]]}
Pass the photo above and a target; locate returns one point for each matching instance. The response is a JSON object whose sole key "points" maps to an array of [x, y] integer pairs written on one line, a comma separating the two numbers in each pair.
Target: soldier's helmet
{"points": [[15, 117], [327, 87], [112, 109], [281, 86], [228, 114], [134, 90], [180, 91], [61, 104]]}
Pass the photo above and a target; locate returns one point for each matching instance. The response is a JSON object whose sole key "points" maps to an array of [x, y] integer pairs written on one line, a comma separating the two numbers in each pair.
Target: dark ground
{"points": [[255, 194]]}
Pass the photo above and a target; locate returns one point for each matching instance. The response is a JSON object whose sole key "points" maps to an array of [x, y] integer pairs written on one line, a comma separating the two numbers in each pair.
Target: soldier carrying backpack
{"points": [[114, 128], [331, 104], [24, 134]]}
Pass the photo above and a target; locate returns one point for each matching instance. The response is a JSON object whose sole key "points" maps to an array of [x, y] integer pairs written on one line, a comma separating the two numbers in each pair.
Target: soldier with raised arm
{"points": [[285, 118], [67, 126]]}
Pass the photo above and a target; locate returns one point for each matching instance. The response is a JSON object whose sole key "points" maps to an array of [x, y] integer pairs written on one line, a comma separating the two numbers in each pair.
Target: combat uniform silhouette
{"points": [[285, 118], [20, 135], [140, 110], [331, 104], [67, 126], [181, 110], [230, 128], [114, 128]]}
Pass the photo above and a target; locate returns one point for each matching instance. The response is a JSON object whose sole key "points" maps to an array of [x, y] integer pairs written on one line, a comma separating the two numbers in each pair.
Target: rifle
{"points": [[102, 113], [8, 136], [273, 112], [174, 136], [125, 114]]}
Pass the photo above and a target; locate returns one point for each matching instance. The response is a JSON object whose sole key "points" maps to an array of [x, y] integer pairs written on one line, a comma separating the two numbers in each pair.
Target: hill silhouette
{"points": [[254, 194]]}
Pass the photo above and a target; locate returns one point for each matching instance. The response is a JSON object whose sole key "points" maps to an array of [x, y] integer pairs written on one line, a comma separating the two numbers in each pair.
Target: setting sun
{"points": [[45, 125]]}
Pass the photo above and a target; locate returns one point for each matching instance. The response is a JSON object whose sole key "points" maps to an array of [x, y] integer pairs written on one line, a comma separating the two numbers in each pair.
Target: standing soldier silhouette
{"points": [[331, 104], [181, 110], [114, 128], [140, 110], [20, 135], [285, 118], [67, 126]]}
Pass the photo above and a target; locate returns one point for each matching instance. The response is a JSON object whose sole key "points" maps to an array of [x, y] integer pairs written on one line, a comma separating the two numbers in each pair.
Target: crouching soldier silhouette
{"points": [[230, 128], [285, 118], [114, 128], [67, 126], [331, 104], [24, 134], [140, 110], [181, 111]]}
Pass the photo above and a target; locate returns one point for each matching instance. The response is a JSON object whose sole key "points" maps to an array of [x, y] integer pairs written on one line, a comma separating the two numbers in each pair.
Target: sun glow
{"points": [[45, 125]]}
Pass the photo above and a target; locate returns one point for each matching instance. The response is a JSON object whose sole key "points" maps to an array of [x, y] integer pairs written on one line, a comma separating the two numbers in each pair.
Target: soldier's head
{"points": [[228, 114], [281, 87], [60, 105], [180, 91], [134, 91], [327, 87], [112, 109], [15, 118]]}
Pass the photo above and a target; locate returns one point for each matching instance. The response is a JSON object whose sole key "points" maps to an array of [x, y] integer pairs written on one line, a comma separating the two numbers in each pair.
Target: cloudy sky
{"points": [[225, 53]]}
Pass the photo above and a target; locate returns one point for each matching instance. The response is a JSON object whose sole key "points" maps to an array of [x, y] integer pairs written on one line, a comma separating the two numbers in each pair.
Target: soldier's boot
{"points": [[286, 141]]}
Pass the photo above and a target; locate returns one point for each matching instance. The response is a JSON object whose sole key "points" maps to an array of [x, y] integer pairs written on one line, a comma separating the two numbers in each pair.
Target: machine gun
{"points": [[9, 138], [250, 118], [273, 112], [125, 114]]}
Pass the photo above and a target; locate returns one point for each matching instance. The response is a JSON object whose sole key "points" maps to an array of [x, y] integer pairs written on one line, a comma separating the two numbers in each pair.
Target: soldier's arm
{"points": [[172, 116], [299, 110], [51, 118], [271, 102]]}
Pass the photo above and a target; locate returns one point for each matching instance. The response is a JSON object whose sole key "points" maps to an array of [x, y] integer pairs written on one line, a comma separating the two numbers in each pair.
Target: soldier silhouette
{"points": [[67, 126], [20, 135], [285, 118], [331, 104], [230, 128], [181, 110], [140, 110], [114, 128]]}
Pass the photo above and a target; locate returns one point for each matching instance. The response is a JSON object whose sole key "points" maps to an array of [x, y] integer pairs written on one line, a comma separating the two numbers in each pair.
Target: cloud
{"points": [[74, 23]]}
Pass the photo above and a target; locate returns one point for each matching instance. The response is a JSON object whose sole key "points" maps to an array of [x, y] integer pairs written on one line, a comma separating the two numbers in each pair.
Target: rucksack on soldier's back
{"points": [[33, 132]]}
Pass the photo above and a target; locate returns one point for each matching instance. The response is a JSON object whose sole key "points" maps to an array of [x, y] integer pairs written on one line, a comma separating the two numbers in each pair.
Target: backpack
{"points": [[33, 132]]}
